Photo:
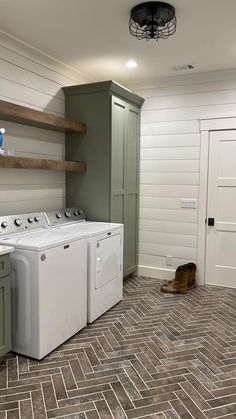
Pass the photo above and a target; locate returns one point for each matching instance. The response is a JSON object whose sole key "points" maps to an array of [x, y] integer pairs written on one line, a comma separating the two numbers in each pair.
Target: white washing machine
{"points": [[49, 293], [105, 257]]}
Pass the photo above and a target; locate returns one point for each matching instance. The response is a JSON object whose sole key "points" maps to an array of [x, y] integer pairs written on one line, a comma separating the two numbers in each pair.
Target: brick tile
{"points": [[114, 405], [49, 396], [122, 396], [147, 410], [165, 397], [26, 409], [103, 410], [92, 414], [13, 414], [69, 378], [38, 405], [190, 405], [129, 386], [221, 411], [65, 411], [77, 370], [59, 387]]}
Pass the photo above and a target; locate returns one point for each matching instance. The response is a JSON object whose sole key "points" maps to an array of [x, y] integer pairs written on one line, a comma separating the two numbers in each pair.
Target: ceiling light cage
{"points": [[152, 20]]}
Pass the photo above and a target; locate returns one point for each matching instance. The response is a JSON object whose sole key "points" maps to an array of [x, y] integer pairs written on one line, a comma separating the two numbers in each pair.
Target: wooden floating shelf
{"points": [[42, 164], [27, 116]]}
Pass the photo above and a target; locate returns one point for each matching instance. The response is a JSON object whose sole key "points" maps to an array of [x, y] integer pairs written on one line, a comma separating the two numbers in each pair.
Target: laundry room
{"points": [[117, 219]]}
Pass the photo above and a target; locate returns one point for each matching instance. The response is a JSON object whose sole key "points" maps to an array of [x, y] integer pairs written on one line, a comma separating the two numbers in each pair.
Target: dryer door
{"points": [[108, 260]]}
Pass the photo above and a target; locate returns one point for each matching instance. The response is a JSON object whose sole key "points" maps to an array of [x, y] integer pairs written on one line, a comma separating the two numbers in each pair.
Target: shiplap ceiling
{"points": [[92, 36]]}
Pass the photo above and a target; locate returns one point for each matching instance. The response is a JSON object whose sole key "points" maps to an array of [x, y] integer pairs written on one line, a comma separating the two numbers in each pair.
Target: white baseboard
{"points": [[159, 273]]}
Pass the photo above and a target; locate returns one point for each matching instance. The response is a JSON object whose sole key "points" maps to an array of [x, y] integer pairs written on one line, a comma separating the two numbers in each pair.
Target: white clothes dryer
{"points": [[105, 257], [48, 284]]}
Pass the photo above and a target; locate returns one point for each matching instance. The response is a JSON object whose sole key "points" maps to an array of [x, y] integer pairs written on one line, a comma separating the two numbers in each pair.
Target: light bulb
{"points": [[131, 64]]}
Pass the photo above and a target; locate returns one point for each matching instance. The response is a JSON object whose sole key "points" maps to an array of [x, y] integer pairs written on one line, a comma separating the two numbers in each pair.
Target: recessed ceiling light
{"points": [[131, 64]]}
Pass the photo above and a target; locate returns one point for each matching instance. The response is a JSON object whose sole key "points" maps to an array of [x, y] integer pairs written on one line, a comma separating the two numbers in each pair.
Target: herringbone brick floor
{"points": [[153, 355]]}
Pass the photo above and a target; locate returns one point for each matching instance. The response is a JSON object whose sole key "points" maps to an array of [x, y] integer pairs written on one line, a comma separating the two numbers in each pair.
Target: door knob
{"points": [[211, 222]]}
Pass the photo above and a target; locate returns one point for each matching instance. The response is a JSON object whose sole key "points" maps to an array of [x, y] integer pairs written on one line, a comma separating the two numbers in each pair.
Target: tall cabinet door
{"points": [[118, 152], [131, 188], [124, 176]]}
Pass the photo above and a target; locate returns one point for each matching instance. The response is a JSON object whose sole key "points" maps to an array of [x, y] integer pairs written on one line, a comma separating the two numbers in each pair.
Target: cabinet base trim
{"points": [[129, 271]]}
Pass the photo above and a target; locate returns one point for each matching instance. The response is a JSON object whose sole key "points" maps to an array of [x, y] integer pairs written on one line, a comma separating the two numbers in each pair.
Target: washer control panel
{"points": [[21, 222], [64, 216]]}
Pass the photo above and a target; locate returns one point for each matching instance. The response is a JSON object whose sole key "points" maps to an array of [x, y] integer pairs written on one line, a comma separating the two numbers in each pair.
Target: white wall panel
{"points": [[169, 239], [188, 100], [174, 140], [188, 113], [169, 178], [159, 202], [183, 191], [176, 127], [24, 177], [159, 262], [174, 227], [189, 216], [169, 153], [169, 166], [25, 80], [160, 250], [192, 84], [10, 207], [13, 71], [25, 96], [22, 55], [13, 193]]}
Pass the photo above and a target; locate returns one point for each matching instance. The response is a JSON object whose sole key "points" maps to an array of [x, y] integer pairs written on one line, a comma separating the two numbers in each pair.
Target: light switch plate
{"points": [[188, 203]]}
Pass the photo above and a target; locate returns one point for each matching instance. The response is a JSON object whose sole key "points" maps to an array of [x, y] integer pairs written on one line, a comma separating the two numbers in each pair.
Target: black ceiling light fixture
{"points": [[152, 20]]}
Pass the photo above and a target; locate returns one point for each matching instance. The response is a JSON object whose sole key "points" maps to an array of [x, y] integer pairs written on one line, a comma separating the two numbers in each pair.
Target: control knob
{"points": [[58, 215], [18, 222], [30, 220], [4, 224], [68, 214], [36, 218], [76, 213]]}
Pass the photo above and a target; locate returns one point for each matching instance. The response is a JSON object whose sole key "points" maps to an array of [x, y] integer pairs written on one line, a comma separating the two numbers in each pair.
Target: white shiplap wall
{"points": [[31, 79], [170, 145], [170, 149]]}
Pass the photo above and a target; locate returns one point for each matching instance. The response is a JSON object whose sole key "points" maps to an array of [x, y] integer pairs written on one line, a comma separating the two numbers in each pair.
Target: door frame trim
{"points": [[206, 126]]}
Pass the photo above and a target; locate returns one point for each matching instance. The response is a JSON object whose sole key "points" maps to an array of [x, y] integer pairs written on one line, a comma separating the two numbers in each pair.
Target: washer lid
{"points": [[38, 240], [90, 228]]}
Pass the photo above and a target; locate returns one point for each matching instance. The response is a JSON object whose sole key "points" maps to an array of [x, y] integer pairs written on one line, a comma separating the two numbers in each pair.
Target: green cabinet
{"points": [[108, 190], [5, 307]]}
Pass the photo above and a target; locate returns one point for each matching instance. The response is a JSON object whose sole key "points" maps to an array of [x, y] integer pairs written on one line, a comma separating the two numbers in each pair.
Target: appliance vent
{"points": [[182, 67]]}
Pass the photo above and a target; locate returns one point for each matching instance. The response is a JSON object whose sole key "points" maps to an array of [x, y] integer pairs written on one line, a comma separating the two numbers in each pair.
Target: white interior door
{"points": [[221, 237]]}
